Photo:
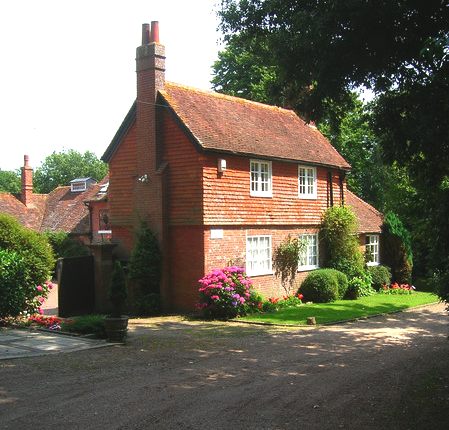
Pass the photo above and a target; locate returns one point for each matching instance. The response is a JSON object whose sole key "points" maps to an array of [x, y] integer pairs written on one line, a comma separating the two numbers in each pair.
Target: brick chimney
{"points": [[27, 182], [150, 68]]}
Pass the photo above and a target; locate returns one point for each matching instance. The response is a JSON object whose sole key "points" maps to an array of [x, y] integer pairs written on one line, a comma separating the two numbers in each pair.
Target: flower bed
{"points": [[396, 288]]}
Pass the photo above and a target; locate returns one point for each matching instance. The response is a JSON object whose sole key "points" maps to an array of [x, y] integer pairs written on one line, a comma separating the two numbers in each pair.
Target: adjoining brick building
{"points": [[77, 209], [220, 179]]}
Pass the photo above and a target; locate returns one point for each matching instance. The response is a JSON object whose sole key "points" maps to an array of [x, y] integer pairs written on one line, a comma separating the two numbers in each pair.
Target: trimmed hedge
{"points": [[381, 275], [324, 285]]}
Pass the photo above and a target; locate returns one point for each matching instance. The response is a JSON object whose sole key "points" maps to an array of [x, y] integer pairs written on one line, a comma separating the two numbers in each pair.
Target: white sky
{"points": [[67, 77]]}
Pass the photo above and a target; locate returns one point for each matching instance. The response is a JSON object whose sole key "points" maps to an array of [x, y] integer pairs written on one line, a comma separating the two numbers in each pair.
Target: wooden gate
{"points": [[76, 292]]}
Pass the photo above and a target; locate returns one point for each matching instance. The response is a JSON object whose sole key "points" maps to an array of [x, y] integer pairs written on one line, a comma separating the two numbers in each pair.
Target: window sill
{"points": [[253, 275], [307, 268], [306, 197], [261, 195], [373, 263]]}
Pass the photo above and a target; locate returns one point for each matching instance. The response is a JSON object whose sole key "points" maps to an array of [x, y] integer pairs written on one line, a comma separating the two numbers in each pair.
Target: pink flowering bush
{"points": [[227, 293]]}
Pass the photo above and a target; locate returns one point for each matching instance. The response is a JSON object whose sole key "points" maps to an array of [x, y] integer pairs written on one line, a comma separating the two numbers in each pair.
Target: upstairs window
{"points": [[258, 255], [307, 182], [308, 259], [260, 174], [372, 249]]}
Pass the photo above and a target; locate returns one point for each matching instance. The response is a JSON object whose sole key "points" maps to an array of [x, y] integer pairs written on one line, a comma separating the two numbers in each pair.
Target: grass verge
{"points": [[341, 310]]}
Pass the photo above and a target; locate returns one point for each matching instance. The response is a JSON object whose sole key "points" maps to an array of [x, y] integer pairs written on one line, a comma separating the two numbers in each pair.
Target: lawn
{"points": [[343, 309]]}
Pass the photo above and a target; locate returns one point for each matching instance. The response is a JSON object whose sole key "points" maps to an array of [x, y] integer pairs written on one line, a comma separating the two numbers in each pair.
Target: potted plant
{"points": [[116, 324]]}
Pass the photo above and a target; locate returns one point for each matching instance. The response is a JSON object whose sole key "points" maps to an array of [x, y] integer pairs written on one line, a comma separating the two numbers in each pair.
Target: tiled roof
{"points": [[30, 216], [61, 210], [229, 124], [370, 219]]}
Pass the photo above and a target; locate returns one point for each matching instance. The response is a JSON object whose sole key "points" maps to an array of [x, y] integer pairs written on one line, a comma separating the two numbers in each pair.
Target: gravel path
{"points": [[176, 374]]}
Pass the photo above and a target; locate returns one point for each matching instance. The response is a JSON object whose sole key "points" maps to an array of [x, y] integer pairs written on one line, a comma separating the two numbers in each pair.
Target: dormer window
{"points": [[79, 185]]}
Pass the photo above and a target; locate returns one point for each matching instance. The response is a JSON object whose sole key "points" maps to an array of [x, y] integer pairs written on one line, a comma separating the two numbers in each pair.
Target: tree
{"points": [[9, 181], [323, 50], [60, 168]]}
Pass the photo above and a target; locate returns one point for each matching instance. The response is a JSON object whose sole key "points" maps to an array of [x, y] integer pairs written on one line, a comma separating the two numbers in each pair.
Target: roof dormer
{"points": [[79, 185]]}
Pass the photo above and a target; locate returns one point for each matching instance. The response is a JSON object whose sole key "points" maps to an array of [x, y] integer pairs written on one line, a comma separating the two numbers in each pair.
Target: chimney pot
{"points": [[154, 32], [145, 34], [26, 159]]}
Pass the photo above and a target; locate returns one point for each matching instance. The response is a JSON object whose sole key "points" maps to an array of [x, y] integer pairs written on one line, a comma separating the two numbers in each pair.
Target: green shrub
{"points": [[339, 233], [147, 304], [26, 263], [360, 286], [85, 324], [64, 246], [16, 291], [396, 248], [31, 246], [320, 286], [145, 263], [381, 275], [118, 292], [342, 281]]}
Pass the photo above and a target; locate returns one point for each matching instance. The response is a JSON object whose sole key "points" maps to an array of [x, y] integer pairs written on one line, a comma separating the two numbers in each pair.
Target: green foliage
{"points": [[118, 292], [16, 290], [85, 324], [147, 304], [285, 261], [360, 286], [339, 233], [320, 51], [60, 168], [64, 246], [9, 181], [32, 247], [396, 248], [320, 286], [381, 275], [145, 263]]}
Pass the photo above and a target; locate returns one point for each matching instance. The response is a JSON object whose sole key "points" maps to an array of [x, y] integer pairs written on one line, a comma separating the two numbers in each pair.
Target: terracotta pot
{"points": [[116, 328]]}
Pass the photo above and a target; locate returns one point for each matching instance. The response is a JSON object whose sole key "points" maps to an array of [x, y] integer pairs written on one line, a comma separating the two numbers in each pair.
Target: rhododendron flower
{"points": [[39, 288], [214, 297]]}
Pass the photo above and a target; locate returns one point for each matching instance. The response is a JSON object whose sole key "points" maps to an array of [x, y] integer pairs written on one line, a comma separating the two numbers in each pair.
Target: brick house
{"points": [[220, 179], [76, 209]]}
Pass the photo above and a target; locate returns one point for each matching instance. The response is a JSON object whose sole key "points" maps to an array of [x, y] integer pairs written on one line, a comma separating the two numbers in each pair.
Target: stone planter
{"points": [[116, 328]]}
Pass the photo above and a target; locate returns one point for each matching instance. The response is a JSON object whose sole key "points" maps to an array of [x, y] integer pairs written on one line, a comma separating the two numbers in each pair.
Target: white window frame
{"points": [[78, 187], [307, 182], [311, 252], [256, 179], [372, 249], [258, 255]]}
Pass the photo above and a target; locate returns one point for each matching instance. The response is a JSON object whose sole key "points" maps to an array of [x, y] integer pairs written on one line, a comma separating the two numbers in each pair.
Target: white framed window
{"points": [[307, 182], [372, 249], [260, 178], [308, 259], [258, 255], [77, 187]]}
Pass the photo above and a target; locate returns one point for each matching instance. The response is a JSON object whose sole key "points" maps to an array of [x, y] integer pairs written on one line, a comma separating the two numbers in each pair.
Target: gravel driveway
{"points": [[176, 374]]}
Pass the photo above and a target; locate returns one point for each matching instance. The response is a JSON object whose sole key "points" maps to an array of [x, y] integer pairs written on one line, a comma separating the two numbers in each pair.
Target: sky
{"points": [[68, 68]]}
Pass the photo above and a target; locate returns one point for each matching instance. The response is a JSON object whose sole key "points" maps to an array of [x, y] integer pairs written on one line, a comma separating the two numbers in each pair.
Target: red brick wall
{"points": [[232, 249], [185, 174], [227, 197], [186, 263], [122, 178], [96, 207]]}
